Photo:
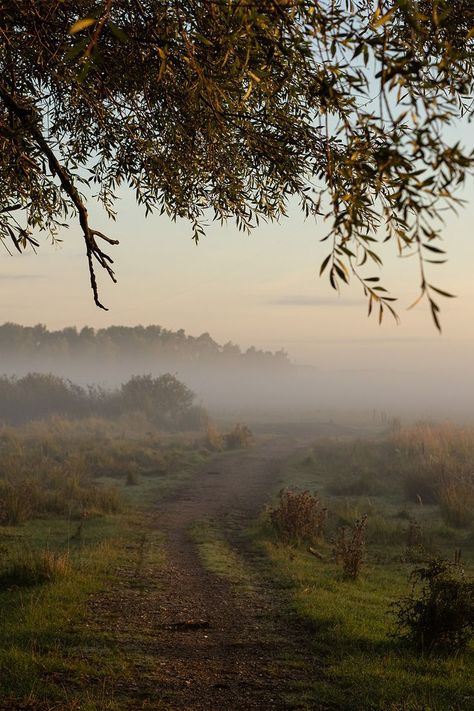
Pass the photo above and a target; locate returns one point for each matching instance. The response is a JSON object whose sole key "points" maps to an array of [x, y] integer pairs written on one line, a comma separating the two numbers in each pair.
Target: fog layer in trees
{"points": [[227, 379], [164, 401]]}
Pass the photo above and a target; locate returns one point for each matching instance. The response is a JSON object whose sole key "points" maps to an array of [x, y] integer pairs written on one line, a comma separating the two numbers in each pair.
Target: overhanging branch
{"points": [[26, 115]]}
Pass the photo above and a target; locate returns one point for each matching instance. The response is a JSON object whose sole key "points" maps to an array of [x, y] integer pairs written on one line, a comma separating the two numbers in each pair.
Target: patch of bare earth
{"points": [[186, 637]]}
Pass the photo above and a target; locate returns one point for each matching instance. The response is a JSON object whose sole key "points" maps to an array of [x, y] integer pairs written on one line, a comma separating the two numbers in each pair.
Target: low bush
{"points": [[439, 611], [213, 440], [299, 517], [238, 438], [165, 401]]}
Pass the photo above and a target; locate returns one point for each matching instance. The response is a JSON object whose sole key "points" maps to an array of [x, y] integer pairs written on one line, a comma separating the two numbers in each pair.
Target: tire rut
{"points": [[190, 640]]}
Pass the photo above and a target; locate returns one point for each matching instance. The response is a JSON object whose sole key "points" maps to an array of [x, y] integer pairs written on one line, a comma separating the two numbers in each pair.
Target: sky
{"points": [[261, 289]]}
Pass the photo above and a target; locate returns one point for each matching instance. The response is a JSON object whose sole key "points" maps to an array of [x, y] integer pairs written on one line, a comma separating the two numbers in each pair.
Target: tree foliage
{"points": [[233, 108], [164, 401], [144, 346]]}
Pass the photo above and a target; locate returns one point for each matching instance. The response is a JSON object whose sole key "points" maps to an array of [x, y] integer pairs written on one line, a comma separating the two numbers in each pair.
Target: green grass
{"points": [[349, 624], [48, 653], [219, 557], [361, 666]]}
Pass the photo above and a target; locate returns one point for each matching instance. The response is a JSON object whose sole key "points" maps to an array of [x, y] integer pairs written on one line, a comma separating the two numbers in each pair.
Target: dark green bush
{"points": [[439, 611]]}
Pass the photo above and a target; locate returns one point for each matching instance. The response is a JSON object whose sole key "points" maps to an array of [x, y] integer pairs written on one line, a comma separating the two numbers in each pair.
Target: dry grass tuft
{"points": [[27, 567], [299, 517]]}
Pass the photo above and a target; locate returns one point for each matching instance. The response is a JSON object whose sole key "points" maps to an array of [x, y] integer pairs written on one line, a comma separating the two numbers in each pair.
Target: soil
{"points": [[189, 639]]}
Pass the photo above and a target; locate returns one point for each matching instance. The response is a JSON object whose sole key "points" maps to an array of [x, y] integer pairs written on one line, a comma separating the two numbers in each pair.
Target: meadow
{"points": [[84, 564], [414, 491], [73, 503]]}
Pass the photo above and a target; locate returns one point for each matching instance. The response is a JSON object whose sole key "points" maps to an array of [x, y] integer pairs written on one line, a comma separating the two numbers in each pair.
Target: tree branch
{"points": [[26, 115]]}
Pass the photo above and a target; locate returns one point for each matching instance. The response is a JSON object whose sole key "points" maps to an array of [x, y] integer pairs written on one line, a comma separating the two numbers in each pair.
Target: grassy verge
{"points": [[349, 623], [74, 515], [219, 557]]}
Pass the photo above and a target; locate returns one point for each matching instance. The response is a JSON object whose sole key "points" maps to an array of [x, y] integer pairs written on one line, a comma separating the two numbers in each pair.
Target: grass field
{"points": [[76, 535], [411, 476], [73, 500]]}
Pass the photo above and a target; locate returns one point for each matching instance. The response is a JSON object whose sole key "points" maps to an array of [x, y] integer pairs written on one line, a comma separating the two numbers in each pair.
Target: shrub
{"points": [[299, 517], [165, 400], [439, 611], [349, 548], [213, 440], [238, 438]]}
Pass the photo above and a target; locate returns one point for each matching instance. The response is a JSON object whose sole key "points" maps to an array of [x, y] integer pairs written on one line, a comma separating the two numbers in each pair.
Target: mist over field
{"points": [[227, 379]]}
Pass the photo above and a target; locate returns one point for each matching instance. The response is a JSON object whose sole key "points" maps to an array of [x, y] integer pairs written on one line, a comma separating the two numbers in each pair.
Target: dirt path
{"points": [[189, 639]]}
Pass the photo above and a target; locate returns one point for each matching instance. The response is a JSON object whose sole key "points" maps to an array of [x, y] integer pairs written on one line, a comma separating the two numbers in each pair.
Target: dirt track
{"points": [[189, 638]]}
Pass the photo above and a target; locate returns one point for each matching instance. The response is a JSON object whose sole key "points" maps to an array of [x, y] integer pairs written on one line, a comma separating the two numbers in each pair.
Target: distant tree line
{"points": [[121, 342], [165, 401]]}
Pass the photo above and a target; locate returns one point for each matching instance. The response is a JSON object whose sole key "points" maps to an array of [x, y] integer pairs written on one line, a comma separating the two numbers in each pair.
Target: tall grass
{"points": [[29, 566], [437, 466], [56, 468]]}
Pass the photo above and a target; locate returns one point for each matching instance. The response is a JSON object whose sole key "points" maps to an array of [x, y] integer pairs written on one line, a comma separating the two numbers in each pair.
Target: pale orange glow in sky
{"points": [[261, 289]]}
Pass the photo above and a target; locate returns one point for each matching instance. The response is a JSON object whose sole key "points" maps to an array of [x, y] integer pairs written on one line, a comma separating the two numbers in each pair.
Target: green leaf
{"points": [[117, 32], [76, 49]]}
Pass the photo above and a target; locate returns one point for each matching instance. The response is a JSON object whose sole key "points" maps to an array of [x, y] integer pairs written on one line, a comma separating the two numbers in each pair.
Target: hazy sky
{"points": [[261, 289]]}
